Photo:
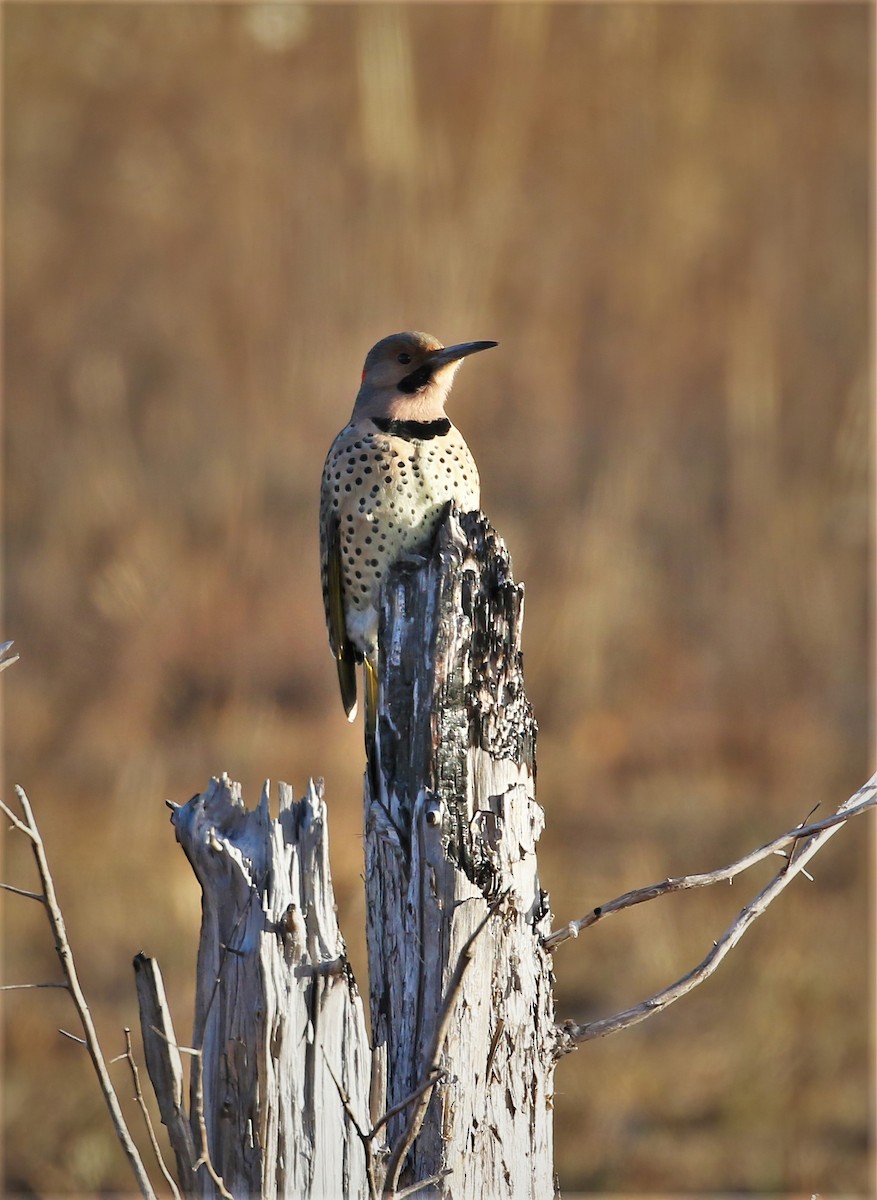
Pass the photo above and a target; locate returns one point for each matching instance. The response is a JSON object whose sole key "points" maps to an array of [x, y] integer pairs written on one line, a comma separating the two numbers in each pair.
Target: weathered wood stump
{"points": [[287, 1098], [279, 1022], [453, 828]]}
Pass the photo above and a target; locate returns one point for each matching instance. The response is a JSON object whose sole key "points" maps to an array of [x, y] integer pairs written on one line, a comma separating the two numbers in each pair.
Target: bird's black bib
{"points": [[413, 431]]}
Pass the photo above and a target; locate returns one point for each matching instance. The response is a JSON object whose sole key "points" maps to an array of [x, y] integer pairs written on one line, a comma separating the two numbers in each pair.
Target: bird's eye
{"points": [[403, 358]]}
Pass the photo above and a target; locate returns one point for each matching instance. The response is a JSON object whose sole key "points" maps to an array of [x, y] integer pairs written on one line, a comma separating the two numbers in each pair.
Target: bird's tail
{"points": [[371, 722]]}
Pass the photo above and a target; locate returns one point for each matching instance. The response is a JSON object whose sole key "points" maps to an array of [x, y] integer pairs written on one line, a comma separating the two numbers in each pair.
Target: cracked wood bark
{"points": [[455, 825], [277, 1012]]}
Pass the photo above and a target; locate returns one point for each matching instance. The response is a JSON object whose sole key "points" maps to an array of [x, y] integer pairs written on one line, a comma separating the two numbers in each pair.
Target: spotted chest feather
{"points": [[387, 491]]}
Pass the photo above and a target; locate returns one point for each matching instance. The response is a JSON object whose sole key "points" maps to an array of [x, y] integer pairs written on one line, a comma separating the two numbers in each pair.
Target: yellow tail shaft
{"points": [[371, 721]]}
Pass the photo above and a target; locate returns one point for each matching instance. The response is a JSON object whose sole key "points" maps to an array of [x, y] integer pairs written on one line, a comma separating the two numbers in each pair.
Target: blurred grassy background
{"points": [[661, 212]]}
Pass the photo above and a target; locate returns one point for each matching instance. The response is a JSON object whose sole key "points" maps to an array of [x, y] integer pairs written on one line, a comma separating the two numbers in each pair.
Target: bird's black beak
{"points": [[421, 376], [451, 353]]}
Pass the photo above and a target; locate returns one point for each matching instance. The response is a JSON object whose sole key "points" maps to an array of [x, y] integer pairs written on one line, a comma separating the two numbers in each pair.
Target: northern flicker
{"points": [[387, 480]]}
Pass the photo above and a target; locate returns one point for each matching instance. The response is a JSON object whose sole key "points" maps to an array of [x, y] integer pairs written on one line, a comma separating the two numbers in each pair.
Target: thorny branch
{"points": [[809, 839], [683, 883], [29, 828]]}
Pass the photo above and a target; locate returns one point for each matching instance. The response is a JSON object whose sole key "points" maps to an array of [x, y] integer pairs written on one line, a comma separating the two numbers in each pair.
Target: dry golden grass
{"points": [[661, 212]]}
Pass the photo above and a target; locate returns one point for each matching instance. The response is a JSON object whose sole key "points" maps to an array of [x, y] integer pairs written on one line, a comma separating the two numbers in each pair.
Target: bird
{"points": [[387, 481]]}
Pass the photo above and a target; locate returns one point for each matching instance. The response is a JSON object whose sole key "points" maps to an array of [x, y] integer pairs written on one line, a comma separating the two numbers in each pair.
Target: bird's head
{"points": [[407, 376]]}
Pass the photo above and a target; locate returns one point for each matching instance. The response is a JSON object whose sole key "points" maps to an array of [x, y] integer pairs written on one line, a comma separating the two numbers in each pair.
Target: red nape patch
{"points": [[362, 377]]}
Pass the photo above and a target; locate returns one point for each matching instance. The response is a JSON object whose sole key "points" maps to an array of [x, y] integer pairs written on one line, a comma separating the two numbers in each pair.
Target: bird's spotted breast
{"points": [[388, 489]]}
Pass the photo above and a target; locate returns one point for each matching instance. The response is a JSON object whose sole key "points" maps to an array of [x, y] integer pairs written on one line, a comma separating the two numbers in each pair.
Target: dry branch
{"points": [[165, 1066], [147, 1120], [65, 955], [682, 883], [808, 839], [6, 659]]}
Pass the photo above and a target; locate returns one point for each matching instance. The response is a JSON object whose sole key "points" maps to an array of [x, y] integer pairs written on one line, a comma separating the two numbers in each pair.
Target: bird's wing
{"points": [[346, 654]]}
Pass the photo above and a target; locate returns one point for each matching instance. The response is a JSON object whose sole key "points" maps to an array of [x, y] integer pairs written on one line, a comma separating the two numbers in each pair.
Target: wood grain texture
{"points": [[453, 828], [277, 1011]]}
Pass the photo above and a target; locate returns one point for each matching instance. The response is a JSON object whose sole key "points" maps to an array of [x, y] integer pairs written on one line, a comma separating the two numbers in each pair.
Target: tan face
{"points": [[409, 364], [396, 357]]}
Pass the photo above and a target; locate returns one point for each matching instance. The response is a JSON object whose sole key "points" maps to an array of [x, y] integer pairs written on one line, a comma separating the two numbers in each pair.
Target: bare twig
{"points": [[16, 891], [365, 1135], [4, 661], [73, 1038], [430, 1082], [22, 987], [682, 883], [204, 1159], [572, 1034], [20, 825], [414, 1188], [147, 1120], [377, 1094], [65, 954], [403, 1145]]}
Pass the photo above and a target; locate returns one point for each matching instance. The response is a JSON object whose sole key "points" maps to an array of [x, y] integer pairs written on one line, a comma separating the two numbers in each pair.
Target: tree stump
{"points": [[454, 828], [278, 1019], [455, 1094]]}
